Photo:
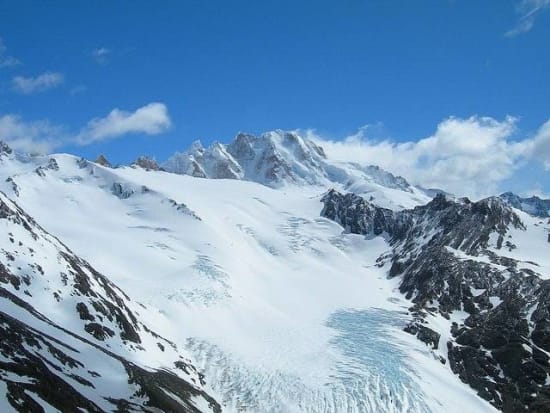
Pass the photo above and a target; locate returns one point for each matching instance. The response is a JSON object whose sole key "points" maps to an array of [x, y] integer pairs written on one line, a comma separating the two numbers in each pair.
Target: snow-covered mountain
{"points": [[284, 295], [532, 205], [280, 158]]}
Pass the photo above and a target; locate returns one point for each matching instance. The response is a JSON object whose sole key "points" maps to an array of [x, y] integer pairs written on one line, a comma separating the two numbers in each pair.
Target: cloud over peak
{"points": [[40, 83], [471, 156]]}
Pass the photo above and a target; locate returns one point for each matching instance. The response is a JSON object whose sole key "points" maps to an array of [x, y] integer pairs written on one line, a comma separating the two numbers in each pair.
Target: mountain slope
{"points": [[279, 309], [479, 285], [73, 340]]}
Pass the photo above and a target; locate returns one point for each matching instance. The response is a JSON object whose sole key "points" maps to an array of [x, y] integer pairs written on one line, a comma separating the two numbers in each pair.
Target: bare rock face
{"points": [[501, 349], [5, 148], [102, 160], [215, 162], [51, 166], [149, 164]]}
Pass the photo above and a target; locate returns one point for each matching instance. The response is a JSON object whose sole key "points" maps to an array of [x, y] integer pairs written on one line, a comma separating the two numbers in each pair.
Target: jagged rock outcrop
{"points": [[147, 163], [5, 148], [446, 254], [102, 160], [215, 162], [278, 157], [51, 165]]}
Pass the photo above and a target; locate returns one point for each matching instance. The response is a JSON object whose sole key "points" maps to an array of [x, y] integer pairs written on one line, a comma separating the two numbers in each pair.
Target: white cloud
{"points": [[539, 145], [6, 61], [40, 83], [150, 119], [465, 156], [43, 136], [528, 10], [101, 55], [30, 137]]}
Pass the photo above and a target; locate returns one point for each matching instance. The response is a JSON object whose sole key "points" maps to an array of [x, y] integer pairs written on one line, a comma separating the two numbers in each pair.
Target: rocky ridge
{"points": [[532, 205], [446, 254]]}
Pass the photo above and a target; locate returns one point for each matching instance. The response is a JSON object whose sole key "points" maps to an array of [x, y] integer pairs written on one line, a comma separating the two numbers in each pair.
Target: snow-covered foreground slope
{"points": [[282, 311], [71, 339]]}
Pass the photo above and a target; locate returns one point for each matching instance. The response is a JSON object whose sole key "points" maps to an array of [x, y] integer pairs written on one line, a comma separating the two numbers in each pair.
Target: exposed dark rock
{"points": [[499, 350], [181, 207], [149, 164], [424, 334], [51, 165], [120, 191], [15, 187], [98, 331], [5, 148], [102, 160]]}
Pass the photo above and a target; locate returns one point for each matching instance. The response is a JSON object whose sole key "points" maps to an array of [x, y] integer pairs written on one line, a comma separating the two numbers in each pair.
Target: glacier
{"points": [[281, 310]]}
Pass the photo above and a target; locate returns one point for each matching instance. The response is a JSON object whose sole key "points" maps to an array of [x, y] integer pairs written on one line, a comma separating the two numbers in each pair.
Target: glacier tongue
{"points": [[372, 374]]}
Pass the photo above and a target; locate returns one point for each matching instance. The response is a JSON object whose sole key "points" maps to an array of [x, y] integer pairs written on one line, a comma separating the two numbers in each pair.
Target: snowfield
{"points": [[280, 309]]}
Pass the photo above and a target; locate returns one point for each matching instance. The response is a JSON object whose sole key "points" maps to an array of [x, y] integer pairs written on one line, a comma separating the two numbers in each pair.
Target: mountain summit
{"points": [[281, 158]]}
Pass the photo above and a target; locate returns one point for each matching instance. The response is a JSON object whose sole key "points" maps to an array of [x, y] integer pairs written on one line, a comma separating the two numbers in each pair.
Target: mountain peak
{"points": [[102, 160], [147, 163], [280, 158], [533, 205]]}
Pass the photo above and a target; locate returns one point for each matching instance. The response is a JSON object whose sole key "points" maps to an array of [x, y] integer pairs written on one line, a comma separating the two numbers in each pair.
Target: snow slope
{"points": [[281, 310], [71, 339]]}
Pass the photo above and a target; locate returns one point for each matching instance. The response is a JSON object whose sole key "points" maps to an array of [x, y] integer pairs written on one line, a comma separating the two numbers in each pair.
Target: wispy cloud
{"points": [[471, 156], [529, 10], [5, 60], [101, 55], [78, 90], [42, 136], [40, 83]]}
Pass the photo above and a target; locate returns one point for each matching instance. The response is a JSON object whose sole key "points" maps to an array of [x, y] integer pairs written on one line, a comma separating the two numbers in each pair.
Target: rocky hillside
{"points": [[483, 312], [72, 340]]}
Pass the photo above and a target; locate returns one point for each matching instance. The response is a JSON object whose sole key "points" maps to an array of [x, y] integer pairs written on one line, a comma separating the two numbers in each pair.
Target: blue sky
{"points": [[219, 67]]}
